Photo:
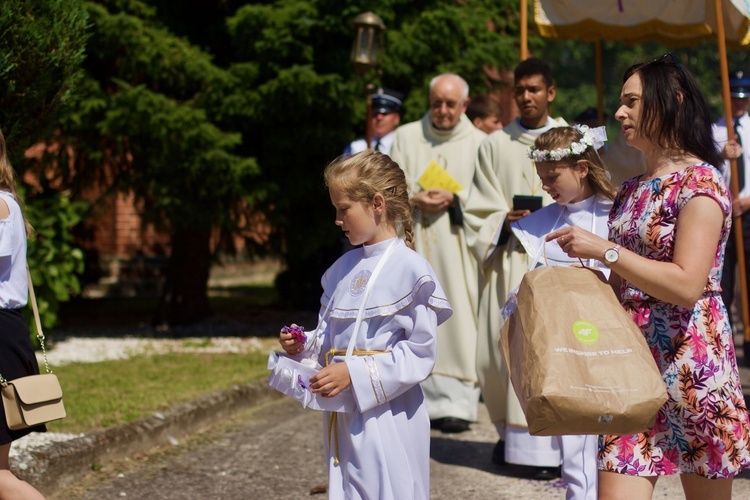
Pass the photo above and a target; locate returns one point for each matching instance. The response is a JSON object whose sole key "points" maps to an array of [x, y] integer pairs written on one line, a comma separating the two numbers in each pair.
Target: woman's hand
{"points": [[331, 380], [579, 243]]}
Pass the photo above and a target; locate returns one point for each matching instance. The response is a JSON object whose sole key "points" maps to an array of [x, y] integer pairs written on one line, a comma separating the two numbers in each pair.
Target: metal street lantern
{"points": [[368, 40]]}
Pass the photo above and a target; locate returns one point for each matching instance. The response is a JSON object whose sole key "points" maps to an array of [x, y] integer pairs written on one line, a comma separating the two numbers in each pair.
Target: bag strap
{"points": [[360, 313], [37, 320], [368, 290], [37, 323]]}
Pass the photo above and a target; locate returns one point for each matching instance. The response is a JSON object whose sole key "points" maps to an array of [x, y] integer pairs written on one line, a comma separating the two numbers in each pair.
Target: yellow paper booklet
{"points": [[436, 176]]}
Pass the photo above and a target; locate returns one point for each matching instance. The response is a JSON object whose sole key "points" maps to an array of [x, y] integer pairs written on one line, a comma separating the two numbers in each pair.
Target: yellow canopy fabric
{"points": [[667, 21]]}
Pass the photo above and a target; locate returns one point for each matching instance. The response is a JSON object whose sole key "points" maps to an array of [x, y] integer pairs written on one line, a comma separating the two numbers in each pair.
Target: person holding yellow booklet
{"points": [[436, 177], [437, 154]]}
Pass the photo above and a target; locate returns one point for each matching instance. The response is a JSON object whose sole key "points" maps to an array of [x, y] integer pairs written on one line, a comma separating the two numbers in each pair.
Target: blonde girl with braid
{"points": [[573, 174], [380, 449]]}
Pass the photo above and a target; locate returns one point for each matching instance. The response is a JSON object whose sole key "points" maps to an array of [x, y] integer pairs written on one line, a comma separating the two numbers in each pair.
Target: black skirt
{"points": [[17, 359]]}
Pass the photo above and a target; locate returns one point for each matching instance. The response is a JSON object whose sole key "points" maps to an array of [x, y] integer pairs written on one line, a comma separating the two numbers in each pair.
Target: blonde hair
{"points": [[563, 137], [368, 173], [8, 181]]}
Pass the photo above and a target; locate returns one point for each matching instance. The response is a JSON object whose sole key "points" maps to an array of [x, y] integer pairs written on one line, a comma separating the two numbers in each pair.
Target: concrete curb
{"points": [[60, 464]]}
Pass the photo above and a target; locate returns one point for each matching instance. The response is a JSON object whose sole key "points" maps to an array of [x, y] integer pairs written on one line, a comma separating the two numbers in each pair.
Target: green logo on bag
{"points": [[585, 332]]}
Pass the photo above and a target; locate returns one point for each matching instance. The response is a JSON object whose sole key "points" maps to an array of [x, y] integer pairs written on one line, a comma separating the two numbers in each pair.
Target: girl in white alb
{"points": [[381, 449], [572, 173]]}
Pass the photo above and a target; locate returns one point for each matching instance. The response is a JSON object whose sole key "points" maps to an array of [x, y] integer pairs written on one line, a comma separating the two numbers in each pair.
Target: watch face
{"points": [[611, 256]]}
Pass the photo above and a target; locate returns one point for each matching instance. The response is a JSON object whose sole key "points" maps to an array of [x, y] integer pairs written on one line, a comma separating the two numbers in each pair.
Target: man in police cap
{"points": [[730, 140], [386, 106]]}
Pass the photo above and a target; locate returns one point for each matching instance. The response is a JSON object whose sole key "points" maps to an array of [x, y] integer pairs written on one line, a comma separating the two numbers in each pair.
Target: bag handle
{"points": [[543, 251], [37, 322], [360, 313]]}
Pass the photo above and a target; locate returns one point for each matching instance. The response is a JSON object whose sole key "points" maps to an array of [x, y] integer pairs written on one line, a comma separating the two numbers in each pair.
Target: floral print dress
{"points": [[703, 428]]}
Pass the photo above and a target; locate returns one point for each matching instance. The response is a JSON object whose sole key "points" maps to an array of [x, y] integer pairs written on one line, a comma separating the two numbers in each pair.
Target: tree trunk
{"points": [[185, 296]]}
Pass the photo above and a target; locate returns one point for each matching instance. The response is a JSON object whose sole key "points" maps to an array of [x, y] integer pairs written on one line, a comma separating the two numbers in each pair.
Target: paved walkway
{"points": [[275, 437], [274, 452]]}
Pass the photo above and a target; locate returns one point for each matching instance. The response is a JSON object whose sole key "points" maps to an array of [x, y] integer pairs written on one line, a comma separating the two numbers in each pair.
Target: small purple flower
{"points": [[297, 332]]}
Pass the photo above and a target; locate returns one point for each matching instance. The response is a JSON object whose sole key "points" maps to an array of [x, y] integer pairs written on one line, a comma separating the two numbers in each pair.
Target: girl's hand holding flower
{"points": [[292, 339]]}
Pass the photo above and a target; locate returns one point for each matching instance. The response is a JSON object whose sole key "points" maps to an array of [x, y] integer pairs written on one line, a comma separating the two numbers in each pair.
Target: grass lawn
{"points": [[110, 393]]}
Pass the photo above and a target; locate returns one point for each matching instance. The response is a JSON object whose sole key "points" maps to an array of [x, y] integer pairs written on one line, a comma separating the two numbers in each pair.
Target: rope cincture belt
{"points": [[332, 419]]}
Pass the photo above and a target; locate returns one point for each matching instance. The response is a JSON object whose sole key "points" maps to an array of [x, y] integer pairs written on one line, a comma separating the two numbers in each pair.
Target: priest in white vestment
{"points": [[504, 170], [446, 137]]}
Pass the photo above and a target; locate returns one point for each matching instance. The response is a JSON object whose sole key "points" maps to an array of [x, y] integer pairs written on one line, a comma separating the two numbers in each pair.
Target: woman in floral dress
{"points": [[668, 230]]}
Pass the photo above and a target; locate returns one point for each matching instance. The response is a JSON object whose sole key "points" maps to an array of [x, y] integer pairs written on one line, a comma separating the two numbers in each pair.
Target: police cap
{"points": [[386, 101], [739, 84]]}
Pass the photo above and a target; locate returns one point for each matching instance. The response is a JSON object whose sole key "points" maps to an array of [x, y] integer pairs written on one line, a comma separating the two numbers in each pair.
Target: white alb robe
{"points": [[503, 169], [451, 390], [578, 453], [383, 446]]}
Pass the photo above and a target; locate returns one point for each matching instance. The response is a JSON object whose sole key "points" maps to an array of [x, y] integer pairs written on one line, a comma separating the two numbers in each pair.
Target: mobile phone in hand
{"points": [[524, 202]]}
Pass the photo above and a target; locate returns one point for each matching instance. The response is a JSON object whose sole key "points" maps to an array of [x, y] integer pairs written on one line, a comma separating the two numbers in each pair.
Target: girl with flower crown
{"points": [[573, 174], [667, 232], [381, 448]]}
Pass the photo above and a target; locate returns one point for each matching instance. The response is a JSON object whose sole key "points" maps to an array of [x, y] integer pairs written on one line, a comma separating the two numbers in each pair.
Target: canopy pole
{"points": [[524, 30], [369, 88], [737, 222], [599, 83]]}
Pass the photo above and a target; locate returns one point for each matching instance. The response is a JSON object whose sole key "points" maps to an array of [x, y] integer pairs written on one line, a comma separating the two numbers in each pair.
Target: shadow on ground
{"points": [[475, 454], [235, 315]]}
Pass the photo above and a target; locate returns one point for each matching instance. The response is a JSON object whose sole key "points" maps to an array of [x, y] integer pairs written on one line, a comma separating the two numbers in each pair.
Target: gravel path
{"points": [[92, 350]]}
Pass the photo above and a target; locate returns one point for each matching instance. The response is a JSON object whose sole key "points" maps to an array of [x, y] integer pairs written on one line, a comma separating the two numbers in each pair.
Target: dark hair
{"points": [[363, 175], [675, 114], [534, 66], [482, 106]]}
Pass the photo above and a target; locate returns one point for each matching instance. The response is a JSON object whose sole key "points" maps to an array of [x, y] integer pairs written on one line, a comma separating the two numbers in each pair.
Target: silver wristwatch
{"points": [[612, 255]]}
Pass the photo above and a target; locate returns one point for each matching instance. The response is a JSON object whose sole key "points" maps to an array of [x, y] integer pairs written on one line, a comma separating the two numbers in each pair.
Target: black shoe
{"points": [[546, 473], [437, 424], [498, 453], [452, 425]]}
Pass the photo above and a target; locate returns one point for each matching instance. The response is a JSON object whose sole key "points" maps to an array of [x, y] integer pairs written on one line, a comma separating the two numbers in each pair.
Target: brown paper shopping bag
{"points": [[578, 363]]}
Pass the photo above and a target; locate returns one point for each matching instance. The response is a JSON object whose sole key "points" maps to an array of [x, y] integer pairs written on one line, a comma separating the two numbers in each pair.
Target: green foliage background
{"points": [[41, 48], [210, 110]]}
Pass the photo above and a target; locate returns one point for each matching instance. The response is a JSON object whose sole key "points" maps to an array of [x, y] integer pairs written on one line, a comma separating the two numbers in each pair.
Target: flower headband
{"points": [[592, 137]]}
